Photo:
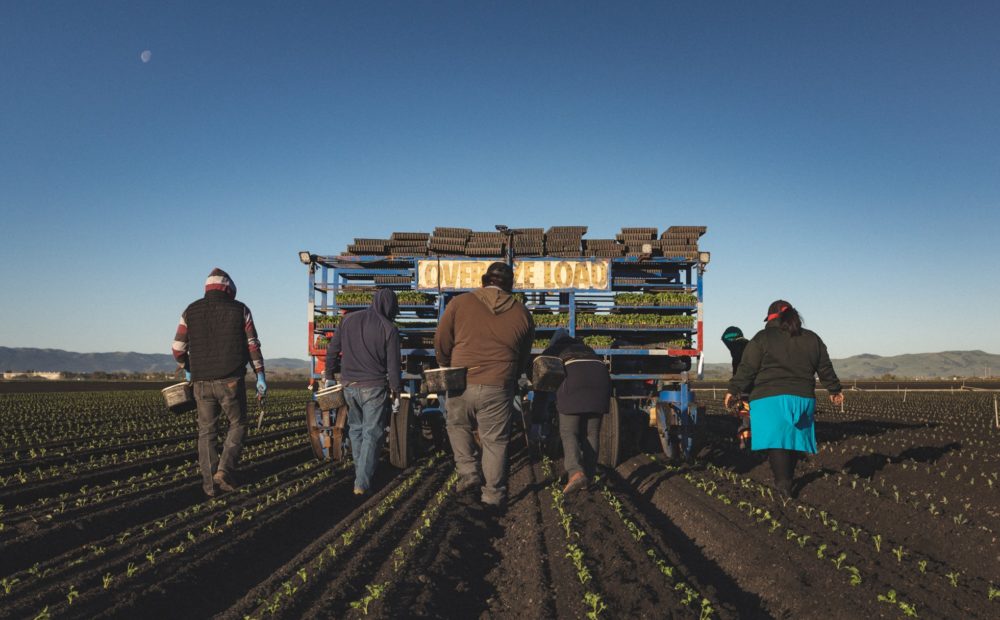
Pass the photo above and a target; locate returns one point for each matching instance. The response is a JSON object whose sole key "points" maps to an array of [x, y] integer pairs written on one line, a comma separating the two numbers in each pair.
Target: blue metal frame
{"points": [[624, 274]]}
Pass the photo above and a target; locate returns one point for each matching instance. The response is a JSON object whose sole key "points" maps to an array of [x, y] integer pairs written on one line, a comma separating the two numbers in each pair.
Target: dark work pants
{"points": [[782, 464], [580, 434], [228, 396]]}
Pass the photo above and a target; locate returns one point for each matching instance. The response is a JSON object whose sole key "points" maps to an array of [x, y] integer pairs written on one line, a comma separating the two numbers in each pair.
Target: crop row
{"points": [[910, 563], [49, 508], [690, 595], [283, 594], [116, 560]]}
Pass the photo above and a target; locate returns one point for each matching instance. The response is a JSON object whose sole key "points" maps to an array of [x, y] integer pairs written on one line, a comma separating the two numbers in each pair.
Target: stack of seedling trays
{"points": [[529, 241], [639, 241], [564, 241], [384, 281], [368, 247], [603, 248], [449, 240], [681, 241], [485, 244], [409, 243]]}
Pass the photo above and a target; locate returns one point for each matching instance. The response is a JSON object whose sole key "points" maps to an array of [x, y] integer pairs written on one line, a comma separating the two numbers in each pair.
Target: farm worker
{"points": [[581, 400], [490, 333], [736, 342], [215, 340], [780, 363], [364, 349]]}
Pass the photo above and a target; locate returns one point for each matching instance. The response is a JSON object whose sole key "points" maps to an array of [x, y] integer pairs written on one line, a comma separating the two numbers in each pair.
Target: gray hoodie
{"points": [[365, 346]]}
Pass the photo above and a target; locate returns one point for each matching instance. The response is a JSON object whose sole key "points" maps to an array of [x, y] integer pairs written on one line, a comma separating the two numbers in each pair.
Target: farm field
{"points": [[101, 515]]}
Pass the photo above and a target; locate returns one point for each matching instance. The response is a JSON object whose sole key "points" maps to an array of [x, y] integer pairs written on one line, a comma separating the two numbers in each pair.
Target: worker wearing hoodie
{"points": [[214, 341], [490, 333], [365, 350]]}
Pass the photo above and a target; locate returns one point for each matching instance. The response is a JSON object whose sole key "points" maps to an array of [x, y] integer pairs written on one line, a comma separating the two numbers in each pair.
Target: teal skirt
{"points": [[783, 422]]}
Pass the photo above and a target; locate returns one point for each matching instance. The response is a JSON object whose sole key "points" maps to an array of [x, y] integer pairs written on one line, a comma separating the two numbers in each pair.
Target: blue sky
{"points": [[844, 156]]}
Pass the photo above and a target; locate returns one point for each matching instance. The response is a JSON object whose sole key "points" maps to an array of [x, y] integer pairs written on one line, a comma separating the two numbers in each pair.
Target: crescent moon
{"points": [[145, 56]]}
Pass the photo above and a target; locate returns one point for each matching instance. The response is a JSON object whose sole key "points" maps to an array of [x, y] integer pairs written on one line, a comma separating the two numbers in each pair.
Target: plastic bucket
{"points": [[547, 373], [445, 379], [331, 398], [179, 397]]}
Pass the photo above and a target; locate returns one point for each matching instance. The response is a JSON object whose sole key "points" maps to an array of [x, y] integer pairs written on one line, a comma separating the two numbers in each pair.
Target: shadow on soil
{"points": [[650, 477]]}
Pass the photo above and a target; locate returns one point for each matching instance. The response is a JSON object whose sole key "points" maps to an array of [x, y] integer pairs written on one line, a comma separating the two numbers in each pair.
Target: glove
{"points": [[330, 383], [187, 376], [261, 385]]}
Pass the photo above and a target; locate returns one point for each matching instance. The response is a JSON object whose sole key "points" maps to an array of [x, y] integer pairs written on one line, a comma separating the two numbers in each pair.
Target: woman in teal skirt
{"points": [[781, 362]]}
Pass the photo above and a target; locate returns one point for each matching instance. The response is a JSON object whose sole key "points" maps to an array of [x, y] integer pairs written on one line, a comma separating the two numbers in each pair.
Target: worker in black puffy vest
{"points": [[215, 340]]}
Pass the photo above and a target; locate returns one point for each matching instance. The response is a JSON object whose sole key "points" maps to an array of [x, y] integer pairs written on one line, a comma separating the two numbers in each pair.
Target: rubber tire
{"points": [[313, 429], [400, 440], [610, 451], [663, 432]]}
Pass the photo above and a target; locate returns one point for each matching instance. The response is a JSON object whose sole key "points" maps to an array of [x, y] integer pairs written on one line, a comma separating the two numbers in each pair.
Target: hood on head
{"points": [[496, 299], [219, 280], [385, 303], [558, 335]]}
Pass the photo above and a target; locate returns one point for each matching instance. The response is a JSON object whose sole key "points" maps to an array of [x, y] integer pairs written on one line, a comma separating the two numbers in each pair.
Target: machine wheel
{"points": [[318, 439], [400, 444], [433, 432], [337, 446], [663, 430], [609, 453]]}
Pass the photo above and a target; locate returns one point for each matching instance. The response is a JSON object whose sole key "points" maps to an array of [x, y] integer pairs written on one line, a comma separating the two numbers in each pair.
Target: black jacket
{"points": [[217, 340], [369, 342], [777, 363], [587, 387]]}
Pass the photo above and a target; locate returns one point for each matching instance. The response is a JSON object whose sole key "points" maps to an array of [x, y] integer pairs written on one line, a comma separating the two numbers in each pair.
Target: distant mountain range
{"points": [[23, 359], [943, 365], [946, 364]]}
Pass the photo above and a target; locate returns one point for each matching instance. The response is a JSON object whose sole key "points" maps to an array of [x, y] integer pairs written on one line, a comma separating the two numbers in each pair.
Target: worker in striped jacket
{"points": [[215, 340]]}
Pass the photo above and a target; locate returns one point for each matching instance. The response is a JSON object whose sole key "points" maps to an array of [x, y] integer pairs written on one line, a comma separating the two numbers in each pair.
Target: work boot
{"points": [[784, 488], [576, 481], [225, 481], [466, 484]]}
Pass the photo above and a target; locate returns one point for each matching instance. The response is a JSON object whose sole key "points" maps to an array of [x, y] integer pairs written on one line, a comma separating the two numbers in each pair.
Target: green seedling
{"points": [[899, 553], [888, 597], [596, 604]]}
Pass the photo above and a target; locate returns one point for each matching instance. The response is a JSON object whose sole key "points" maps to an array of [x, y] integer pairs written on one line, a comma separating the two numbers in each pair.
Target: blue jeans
{"points": [[366, 416]]}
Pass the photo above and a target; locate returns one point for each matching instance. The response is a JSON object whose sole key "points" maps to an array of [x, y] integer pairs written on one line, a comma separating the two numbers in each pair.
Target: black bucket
{"points": [[547, 373], [179, 397], [445, 379]]}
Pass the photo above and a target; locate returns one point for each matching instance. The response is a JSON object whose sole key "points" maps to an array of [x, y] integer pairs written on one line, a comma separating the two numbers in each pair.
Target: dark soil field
{"points": [[102, 516]]}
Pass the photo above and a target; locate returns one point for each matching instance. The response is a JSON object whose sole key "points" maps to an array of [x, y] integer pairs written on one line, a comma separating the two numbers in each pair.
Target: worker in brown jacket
{"points": [[490, 333]]}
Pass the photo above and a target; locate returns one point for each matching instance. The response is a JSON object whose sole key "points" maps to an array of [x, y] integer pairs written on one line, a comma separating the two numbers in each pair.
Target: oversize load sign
{"points": [[529, 275]]}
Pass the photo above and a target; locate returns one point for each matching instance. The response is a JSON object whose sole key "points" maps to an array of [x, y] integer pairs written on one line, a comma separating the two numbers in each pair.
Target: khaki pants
{"points": [[490, 408]]}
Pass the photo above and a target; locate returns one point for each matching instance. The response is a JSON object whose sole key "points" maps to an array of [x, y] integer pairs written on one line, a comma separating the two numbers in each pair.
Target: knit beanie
{"points": [[219, 280]]}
